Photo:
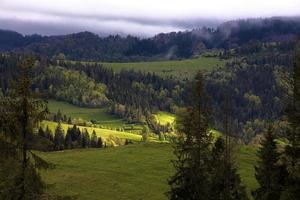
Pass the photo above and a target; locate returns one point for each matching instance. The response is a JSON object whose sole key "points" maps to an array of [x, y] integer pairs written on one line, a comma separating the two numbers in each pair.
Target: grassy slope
{"points": [[246, 159], [164, 117], [103, 119], [104, 133], [127, 172], [178, 68], [86, 113]]}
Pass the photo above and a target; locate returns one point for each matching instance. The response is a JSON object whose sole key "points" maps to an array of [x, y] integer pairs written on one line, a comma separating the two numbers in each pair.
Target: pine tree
{"points": [[127, 142], [41, 132], [192, 151], [68, 139], [69, 120], [145, 133], [20, 114], [59, 139], [78, 138], [59, 117], [100, 143], [48, 134], [94, 139], [65, 118], [55, 118], [85, 139], [225, 181], [268, 172], [73, 133], [292, 150]]}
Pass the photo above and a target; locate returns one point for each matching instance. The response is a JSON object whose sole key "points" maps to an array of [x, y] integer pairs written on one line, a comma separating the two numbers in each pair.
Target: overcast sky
{"points": [[140, 17]]}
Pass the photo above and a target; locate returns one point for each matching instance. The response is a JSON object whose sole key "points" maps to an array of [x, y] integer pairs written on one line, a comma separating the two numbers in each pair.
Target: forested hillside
{"points": [[86, 46], [254, 80]]}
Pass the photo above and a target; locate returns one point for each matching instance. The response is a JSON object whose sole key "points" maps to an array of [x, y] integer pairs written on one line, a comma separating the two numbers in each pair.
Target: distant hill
{"points": [[175, 45]]}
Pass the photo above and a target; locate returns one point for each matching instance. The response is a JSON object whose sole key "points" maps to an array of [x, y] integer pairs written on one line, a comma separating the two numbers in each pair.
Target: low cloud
{"points": [[143, 18]]}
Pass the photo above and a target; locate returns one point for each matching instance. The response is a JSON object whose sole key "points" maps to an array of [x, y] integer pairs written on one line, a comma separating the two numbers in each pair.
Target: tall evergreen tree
{"points": [[68, 139], [292, 150], [100, 142], [41, 132], [78, 138], [85, 138], [19, 115], [59, 117], [145, 133], [94, 139], [268, 172], [191, 179], [69, 120], [48, 134], [59, 138], [225, 181]]}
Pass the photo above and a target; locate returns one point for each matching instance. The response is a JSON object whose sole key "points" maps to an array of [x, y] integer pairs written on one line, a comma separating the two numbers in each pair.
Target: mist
{"points": [[143, 18]]}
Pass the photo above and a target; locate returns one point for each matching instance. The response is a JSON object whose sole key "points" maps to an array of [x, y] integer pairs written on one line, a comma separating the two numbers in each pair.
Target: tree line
{"points": [[86, 46], [73, 138]]}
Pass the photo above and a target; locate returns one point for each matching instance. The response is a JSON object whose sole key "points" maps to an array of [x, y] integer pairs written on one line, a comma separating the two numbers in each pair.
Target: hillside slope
{"points": [[131, 172]]}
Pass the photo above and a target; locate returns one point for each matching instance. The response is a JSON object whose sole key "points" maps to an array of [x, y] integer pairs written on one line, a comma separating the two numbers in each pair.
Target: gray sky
{"points": [[139, 17]]}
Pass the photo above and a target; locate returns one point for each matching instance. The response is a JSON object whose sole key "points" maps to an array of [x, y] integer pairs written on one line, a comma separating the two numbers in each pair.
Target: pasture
{"points": [[164, 118], [98, 114], [103, 133], [180, 69], [133, 172]]}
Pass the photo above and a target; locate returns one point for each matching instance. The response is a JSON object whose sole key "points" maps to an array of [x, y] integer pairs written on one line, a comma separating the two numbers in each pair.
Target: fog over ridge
{"points": [[137, 17]]}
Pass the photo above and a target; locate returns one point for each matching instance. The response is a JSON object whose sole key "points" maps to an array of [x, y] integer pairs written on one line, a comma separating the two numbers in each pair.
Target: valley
{"points": [[210, 113]]}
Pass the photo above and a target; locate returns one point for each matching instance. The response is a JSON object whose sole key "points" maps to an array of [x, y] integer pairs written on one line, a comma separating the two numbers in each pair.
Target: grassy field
{"points": [[246, 159], [130, 172], [88, 114], [104, 133], [177, 68], [164, 117], [107, 121]]}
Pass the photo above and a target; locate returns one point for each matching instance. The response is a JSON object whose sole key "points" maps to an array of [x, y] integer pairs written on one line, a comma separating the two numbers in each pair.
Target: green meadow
{"points": [[98, 114], [132, 172], [164, 118], [177, 68], [104, 119], [104, 133]]}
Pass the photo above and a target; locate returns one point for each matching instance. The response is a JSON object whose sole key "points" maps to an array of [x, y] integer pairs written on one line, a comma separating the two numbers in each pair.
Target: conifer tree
{"points": [[292, 150], [225, 181], [68, 139], [59, 117], [85, 139], [41, 132], [268, 171], [48, 134], [78, 138], [69, 120], [191, 179], [100, 143], [94, 139], [145, 133], [20, 114], [59, 139], [65, 118]]}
